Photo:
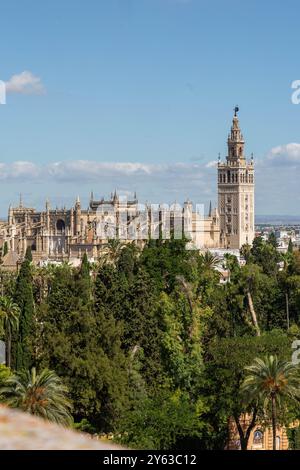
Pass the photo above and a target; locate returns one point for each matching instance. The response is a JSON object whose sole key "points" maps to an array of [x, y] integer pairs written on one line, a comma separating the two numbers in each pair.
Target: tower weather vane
{"points": [[236, 110]]}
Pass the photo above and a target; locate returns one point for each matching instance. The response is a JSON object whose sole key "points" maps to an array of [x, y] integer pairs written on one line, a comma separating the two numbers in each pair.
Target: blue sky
{"points": [[139, 95]]}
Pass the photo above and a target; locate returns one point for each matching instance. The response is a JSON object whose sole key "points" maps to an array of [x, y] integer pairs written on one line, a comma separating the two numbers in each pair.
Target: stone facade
{"points": [[236, 192], [261, 437], [66, 234]]}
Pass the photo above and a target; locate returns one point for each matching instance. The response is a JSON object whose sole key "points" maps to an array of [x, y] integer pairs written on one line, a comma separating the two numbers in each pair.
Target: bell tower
{"points": [[236, 191]]}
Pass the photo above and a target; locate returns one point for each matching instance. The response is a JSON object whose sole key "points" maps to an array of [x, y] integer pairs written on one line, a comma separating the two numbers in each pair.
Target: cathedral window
{"points": [[60, 226]]}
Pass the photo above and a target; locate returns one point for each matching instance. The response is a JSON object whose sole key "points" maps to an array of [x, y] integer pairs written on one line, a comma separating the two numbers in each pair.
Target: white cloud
{"points": [[288, 154], [86, 170], [212, 164], [277, 188], [25, 83], [19, 170]]}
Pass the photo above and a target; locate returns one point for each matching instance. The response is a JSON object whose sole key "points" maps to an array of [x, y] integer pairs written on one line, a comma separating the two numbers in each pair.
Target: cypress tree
{"points": [[24, 347], [5, 249], [272, 240], [28, 254]]}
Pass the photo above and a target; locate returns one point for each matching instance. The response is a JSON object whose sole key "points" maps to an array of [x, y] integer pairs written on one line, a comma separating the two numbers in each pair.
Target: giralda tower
{"points": [[236, 191]]}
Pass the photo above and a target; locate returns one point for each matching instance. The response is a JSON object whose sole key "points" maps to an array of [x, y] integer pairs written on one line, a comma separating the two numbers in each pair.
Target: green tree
{"points": [[41, 394], [209, 260], [223, 376], [184, 323], [28, 254], [294, 264], [294, 438], [42, 277], [165, 421], [272, 240], [24, 348], [291, 246], [245, 252], [130, 295], [265, 254], [5, 248], [273, 382], [5, 372], [84, 283], [83, 346], [9, 314], [112, 252], [106, 294], [164, 260]]}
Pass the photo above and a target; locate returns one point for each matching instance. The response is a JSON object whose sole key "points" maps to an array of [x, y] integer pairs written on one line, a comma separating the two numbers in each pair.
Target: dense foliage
{"points": [[150, 344]]}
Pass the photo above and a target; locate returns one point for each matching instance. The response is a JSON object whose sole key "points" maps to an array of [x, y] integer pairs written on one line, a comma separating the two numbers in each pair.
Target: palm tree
{"points": [[210, 261], [111, 253], [9, 314], [272, 382], [42, 395]]}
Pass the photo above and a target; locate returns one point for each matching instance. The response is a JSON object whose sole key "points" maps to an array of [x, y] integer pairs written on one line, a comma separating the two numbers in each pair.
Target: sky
{"points": [[138, 95]]}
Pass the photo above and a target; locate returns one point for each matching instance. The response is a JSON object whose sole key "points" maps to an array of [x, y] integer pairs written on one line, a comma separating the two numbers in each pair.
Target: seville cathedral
{"points": [[66, 234]]}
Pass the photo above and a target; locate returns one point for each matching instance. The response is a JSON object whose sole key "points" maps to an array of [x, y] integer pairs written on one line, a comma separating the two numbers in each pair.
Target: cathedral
{"points": [[66, 234]]}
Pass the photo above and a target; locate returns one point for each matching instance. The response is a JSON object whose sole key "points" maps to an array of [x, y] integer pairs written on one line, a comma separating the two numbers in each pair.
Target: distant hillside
{"points": [[278, 219]]}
